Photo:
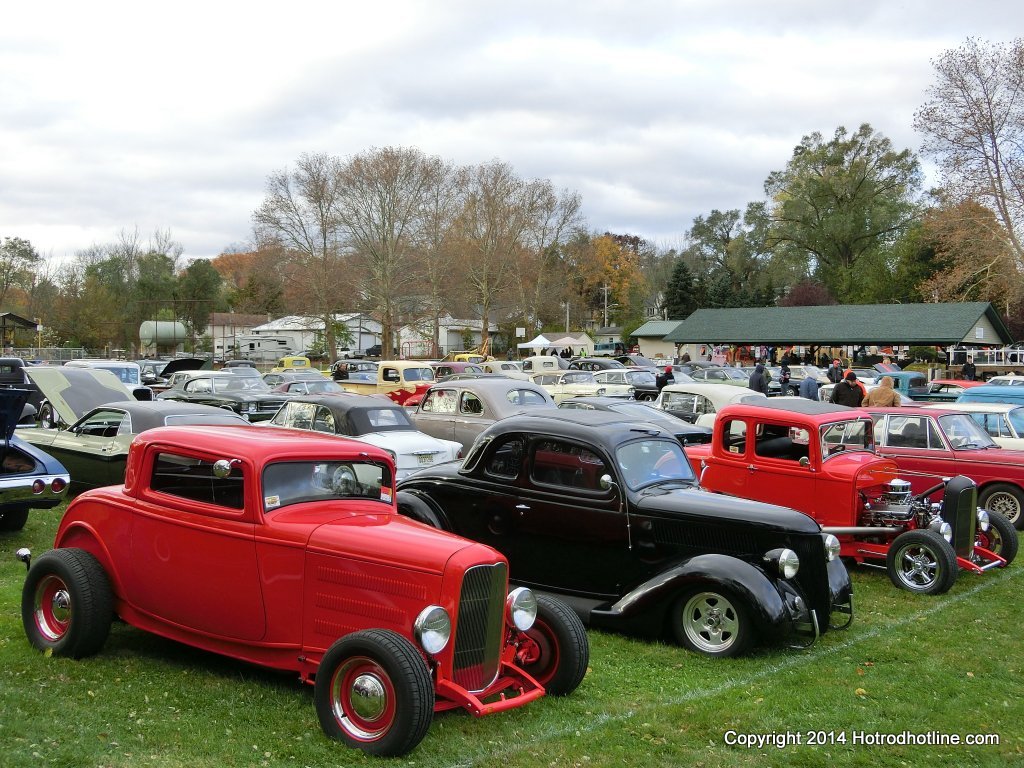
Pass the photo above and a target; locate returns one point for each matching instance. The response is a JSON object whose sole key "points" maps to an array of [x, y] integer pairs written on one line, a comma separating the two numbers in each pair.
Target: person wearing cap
{"points": [[664, 378], [848, 391]]}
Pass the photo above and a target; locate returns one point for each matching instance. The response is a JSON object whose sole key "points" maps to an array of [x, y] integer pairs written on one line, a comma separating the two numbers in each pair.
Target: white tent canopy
{"points": [[578, 341]]}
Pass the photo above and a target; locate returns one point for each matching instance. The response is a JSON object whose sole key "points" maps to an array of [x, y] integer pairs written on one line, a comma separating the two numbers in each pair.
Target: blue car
{"points": [[29, 478]]}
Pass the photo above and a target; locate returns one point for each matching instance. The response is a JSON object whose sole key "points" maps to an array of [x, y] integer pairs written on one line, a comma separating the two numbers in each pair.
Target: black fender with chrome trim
{"points": [[775, 605]]}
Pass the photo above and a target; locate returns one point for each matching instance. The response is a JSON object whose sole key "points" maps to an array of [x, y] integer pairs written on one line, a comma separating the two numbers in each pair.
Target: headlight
{"points": [[433, 629], [983, 519], [600, 391], [941, 527], [831, 547], [784, 561], [521, 606], [251, 407]]}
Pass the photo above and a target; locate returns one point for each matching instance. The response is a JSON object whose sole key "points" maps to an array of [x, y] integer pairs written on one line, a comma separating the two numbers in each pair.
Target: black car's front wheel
{"points": [[555, 651], [712, 621], [922, 561], [373, 691], [67, 603]]}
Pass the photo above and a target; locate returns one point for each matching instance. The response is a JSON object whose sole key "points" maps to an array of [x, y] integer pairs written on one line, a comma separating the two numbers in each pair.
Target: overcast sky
{"points": [[124, 116]]}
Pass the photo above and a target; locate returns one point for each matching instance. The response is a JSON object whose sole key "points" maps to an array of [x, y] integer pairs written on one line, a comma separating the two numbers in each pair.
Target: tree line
{"points": [[408, 237]]}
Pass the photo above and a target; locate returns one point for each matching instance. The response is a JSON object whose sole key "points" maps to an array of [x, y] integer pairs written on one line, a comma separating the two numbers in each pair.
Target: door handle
{"points": [[522, 507], [751, 468]]}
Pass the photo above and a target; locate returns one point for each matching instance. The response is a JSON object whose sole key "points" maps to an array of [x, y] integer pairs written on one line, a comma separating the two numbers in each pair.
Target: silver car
{"points": [[461, 410]]}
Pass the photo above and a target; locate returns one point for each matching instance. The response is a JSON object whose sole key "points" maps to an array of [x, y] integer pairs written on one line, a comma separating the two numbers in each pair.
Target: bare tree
{"points": [[300, 213], [383, 197], [492, 228], [973, 123]]}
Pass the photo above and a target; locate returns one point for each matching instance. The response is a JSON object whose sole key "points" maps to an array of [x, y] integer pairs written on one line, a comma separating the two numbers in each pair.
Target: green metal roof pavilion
{"points": [[921, 324]]}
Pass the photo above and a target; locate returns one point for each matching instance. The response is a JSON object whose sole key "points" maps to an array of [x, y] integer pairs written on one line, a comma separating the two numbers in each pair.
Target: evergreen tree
{"points": [[680, 298]]}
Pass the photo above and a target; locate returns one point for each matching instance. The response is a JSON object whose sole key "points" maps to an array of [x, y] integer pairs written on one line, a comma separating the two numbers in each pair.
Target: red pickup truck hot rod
{"points": [[285, 549], [820, 458]]}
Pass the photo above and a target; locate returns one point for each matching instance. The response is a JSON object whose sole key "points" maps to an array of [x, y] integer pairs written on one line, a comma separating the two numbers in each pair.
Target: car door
{"points": [[916, 445], [91, 450], [437, 413], [192, 536]]}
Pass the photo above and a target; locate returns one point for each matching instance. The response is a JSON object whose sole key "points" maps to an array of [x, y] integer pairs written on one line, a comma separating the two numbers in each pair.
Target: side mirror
{"points": [[804, 461], [222, 467], [606, 482]]}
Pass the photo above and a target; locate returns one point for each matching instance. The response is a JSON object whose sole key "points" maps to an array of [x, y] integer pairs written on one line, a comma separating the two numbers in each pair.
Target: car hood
{"points": [[12, 401], [73, 392], [389, 539], [672, 501], [184, 364]]}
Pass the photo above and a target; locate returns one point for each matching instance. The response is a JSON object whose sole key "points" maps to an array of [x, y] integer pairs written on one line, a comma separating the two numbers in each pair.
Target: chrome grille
{"points": [[478, 630]]}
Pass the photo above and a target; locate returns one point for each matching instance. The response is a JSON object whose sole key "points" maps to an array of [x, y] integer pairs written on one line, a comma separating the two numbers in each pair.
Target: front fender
{"points": [[415, 507], [647, 605]]}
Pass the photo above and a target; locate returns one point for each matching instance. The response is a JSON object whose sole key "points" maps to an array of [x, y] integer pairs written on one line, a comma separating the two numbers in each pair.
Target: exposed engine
{"points": [[892, 504]]}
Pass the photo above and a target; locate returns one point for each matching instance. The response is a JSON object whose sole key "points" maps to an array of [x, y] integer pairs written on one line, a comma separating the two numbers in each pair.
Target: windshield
{"points": [[646, 462], [249, 384], [298, 482], [963, 432], [1016, 417], [853, 435], [640, 378]]}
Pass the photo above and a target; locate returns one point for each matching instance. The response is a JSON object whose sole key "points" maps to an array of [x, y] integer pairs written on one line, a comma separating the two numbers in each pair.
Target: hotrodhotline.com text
{"points": [[783, 739]]}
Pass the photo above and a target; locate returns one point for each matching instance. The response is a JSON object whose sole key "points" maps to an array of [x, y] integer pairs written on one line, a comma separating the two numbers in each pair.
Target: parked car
{"points": [[68, 392], [698, 402], [820, 458], [285, 550], [825, 394], [605, 510], [538, 363], [156, 373], [461, 410], [951, 388], [374, 351], [1006, 380], [321, 386], [641, 380], [931, 442], [512, 368], [447, 369], [736, 377], [95, 447], [987, 393], [1004, 422], [594, 364], [246, 395], [14, 373], [372, 419], [686, 433], [638, 361], [276, 378], [365, 370], [30, 478], [564, 384]]}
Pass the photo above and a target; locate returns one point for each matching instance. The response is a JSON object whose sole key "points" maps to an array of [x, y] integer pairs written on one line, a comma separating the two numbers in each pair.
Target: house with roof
{"points": [[416, 340], [295, 333]]}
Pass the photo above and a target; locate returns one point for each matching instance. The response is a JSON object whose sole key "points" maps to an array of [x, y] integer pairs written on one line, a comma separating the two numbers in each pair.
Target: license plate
{"points": [[425, 459]]}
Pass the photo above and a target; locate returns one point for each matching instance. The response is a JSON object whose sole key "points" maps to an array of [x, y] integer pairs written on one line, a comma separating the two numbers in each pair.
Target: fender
{"points": [[415, 507], [84, 537], [768, 609]]}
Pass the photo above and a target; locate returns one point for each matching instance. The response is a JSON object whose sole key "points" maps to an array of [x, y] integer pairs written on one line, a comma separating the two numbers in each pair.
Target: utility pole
{"points": [[605, 288]]}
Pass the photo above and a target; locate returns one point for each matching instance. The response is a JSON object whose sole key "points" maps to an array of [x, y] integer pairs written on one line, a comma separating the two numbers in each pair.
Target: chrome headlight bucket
{"points": [[784, 561], [831, 547], [521, 608], [983, 519], [941, 527], [433, 629]]}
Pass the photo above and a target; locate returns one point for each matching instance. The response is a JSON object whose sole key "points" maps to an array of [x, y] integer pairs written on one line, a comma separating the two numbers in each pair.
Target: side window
{"points": [[198, 385], [734, 436], [702, 405], [776, 441], [193, 479], [102, 424], [470, 404], [507, 459], [560, 463], [909, 432], [440, 401], [391, 374], [324, 420], [680, 401], [300, 415]]}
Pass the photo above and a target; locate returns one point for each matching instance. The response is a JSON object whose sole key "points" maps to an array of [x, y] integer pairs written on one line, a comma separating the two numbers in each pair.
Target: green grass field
{"points": [[932, 667]]}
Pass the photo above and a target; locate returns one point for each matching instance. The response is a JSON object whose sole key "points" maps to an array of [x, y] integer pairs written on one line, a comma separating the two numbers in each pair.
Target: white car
{"points": [[736, 377], [698, 402], [1009, 380], [1004, 422], [565, 384]]}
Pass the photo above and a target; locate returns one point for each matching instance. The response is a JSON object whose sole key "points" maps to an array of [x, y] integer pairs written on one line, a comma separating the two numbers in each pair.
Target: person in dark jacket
{"points": [[835, 372], [809, 388], [664, 378], [848, 391], [758, 381], [969, 372]]}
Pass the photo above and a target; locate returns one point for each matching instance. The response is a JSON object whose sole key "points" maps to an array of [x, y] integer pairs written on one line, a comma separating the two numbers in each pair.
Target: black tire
{"points": [[555, 651], [396, 693], [415, 508], [13, 519], [1007, 500], [922, 561], [67, 604], [712, 621], [1000, 538]]}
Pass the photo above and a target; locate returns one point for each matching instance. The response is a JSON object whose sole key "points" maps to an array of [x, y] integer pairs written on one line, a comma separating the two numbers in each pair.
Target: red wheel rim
{"points": [[363, 699], [52, 608], [538, 653]]}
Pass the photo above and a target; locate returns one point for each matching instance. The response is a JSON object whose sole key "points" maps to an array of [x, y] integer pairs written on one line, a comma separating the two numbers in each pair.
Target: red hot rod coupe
{"points": [[285, 549], [820, 458]]}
